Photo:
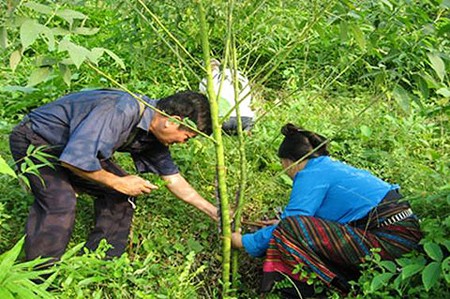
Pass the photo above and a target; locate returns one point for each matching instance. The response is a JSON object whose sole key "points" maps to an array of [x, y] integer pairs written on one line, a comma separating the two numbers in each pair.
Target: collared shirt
{"points": [[89, 126], [327, 189]]}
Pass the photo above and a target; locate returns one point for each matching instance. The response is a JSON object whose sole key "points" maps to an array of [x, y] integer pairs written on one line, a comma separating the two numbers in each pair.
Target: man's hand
{"points": [[133, 185]]}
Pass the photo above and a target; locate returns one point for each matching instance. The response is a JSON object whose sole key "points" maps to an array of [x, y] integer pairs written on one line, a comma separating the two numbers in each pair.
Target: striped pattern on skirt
{"points": [[331, 249]]}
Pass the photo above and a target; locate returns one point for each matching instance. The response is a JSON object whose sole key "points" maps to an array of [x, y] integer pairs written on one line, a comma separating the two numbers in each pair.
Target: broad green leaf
{"points": [[410, 270], [77, 53], [116, 58], [434, 251], [48, 38], [445, 4], [38, 75], [403, 98], [66, 73], [39, 7], [365, 131], [445, 92], [69, 15], [446, 269], [29, 32], [60, 31], [3, 37], [95, 54], [389, 265], [437, 64], [446, 243], [85, 31], [5, 169], [14, 60], [380, 280], [45, 61], [431, 274], [15, 88], [8, 258]]}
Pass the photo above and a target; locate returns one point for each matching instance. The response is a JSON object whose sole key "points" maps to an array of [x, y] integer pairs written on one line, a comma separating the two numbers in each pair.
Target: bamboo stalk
{"points": [[243, 167], [221, 170]]}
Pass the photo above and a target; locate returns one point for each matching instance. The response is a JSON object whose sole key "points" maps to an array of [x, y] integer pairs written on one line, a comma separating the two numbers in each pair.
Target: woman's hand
{"points": [[236, 240], [269, 222]]}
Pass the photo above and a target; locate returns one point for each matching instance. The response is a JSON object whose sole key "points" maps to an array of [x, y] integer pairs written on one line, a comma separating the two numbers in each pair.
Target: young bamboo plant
{"points": [[220, 157]]}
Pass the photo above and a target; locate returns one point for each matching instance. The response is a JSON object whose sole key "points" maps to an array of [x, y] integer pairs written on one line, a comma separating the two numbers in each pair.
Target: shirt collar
{"points": [[148, 115]]}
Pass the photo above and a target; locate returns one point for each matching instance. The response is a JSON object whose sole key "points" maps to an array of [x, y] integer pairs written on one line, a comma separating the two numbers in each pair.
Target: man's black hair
{"points": [[189, 104]]}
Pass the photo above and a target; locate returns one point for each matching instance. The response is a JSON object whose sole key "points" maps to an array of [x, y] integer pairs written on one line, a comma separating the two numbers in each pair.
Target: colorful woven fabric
{"points": [[331, 249]]}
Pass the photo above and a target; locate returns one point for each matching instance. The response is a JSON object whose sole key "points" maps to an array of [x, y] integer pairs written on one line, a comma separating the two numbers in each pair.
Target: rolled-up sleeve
{"points": [[156, 160], [257, 243]]}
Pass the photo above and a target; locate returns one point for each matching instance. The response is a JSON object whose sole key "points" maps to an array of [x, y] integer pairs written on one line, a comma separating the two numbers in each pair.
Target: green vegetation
{"points": [[371, 75]]}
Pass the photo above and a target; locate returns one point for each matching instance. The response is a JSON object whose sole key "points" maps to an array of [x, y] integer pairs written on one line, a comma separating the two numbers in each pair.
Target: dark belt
{"points": [[389, 211]]}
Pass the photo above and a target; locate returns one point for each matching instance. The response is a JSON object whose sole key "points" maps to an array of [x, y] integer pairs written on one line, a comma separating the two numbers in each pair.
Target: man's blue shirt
{"points": [[326, 189], [88, 126]]}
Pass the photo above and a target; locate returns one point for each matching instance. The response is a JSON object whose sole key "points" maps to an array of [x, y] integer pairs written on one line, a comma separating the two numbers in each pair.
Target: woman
{"points": [[335, 216]]}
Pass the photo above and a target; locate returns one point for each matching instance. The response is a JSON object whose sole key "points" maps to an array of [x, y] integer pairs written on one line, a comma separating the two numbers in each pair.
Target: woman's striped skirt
{"points": [[331, 250]]}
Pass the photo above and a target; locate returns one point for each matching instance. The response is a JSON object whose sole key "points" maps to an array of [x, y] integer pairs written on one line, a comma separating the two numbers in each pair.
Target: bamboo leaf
{"points": [[5, 169], [431, 274], [20, 291], [8, 258], [14, 60], [29, 32], [437, 64], [5, 293], [38, 75], [359, 37], [365, 131], [30, 149], [39, 7]]}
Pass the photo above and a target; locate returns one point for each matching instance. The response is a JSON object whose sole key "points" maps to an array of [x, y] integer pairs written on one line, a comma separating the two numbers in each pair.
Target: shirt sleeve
{"points": [[257, 243], [156, 160], [308, 193], [95, 138]]}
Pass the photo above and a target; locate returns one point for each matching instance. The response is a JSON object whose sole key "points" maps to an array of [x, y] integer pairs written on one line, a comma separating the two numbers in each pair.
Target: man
{"points": [[225, 90], [83, 130]]}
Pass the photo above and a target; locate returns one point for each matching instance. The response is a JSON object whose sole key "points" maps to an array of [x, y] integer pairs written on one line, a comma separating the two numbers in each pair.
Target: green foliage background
{"points": [[371, 75]]}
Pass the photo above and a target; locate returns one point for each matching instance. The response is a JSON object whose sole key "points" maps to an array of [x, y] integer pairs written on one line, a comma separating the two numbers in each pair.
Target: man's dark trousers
{"points": [[52, 215]]}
